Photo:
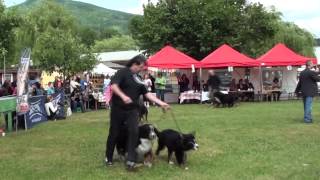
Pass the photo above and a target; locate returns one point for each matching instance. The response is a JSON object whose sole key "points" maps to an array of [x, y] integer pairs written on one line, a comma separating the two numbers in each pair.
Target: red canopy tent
{"points": [[170, 58], [225, 56], [281, 55]]}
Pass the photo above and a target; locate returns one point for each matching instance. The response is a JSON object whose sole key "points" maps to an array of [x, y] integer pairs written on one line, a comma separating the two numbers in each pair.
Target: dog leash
{"points": [[173, 118], [175, 121]]}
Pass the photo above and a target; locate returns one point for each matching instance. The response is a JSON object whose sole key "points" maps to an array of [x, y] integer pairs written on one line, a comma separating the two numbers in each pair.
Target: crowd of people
{"points": [[8, 88]]}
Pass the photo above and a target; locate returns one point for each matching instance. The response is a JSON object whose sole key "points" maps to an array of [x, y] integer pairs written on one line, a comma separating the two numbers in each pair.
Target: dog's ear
{"points": [[156, 130]]}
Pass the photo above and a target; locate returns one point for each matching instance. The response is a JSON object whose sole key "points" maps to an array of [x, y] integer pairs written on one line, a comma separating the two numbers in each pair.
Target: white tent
{"points": [[103, 69]]}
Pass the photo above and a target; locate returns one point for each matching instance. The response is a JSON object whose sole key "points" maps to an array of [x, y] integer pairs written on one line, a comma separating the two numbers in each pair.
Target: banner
{"points": [[37, 113], [22, 78], [58, 101]]}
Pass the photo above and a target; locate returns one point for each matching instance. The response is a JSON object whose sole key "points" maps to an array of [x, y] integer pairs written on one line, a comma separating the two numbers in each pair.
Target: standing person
{"points": [[148, 83], [308, 86], [195, 83], [233, 85], [73, 84], [214, 83], [106, 82], [160, 86], [127, 89], [153, 80], [183, 82]]}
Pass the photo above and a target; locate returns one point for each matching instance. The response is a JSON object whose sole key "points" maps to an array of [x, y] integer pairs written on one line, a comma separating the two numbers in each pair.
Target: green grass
{"points": [[252, 141]]}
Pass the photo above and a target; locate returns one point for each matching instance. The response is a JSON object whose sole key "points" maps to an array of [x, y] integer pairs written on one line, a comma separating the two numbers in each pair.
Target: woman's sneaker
{"points": [[131, 166], [108, 163]]}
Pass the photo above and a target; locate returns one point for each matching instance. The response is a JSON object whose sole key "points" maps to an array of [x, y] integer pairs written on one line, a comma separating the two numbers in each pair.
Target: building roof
{"points": [[113, 65], [119, 56]]}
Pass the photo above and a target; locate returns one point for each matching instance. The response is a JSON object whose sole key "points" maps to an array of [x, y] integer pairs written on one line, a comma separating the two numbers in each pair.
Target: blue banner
{"points": [[58, 101], [37, 113]]}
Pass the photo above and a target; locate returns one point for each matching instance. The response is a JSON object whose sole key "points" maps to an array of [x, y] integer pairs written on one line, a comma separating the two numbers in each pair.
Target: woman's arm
{"points": [[154, 99]]}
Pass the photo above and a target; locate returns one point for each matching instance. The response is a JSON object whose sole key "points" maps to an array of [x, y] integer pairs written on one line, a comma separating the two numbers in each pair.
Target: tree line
{"points": [[57, 40], [197, 27]]}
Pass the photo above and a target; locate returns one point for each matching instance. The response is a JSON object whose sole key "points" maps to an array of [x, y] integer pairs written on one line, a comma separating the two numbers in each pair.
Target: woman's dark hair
{"points": [[137, 60]]}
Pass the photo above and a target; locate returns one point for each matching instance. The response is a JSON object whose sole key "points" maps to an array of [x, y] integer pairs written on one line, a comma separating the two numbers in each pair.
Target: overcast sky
{"points": [[305, 13]]}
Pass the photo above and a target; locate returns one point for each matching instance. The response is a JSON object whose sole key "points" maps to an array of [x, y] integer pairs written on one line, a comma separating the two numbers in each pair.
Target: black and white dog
{"points": [[176, 143], [147, 135], [226, 100]]}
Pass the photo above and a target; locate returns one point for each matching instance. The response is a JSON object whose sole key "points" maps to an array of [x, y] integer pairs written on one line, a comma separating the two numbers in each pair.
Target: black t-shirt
{"points": [[214, 82], [131, 85]]}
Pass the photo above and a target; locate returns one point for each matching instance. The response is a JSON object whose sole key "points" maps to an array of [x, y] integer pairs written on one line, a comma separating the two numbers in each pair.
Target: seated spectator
{"points": [[276, 93], [37, 89], [50, 89], [50, 109], [6, 89], [240, 85], [249, 88], [77, 100], [58, 83]]}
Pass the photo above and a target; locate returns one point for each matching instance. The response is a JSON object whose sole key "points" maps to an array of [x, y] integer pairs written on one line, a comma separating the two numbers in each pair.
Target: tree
{"points": [[300, 40], [197, 27], [87, 36], [108, 33], [8, 22], [62, 52], [51, 33], [117, 43]]}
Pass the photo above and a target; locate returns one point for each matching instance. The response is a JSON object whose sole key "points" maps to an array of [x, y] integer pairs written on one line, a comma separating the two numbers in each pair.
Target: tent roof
{"points": [[225, 56], [117, 56], [103, 69], [281, 55], [170, 58]]}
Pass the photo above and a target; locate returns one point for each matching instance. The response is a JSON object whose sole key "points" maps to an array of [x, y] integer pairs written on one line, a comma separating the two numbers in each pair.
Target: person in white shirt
{"points": [[148, 83], [106, 82], [73, 84], [51, 109]]}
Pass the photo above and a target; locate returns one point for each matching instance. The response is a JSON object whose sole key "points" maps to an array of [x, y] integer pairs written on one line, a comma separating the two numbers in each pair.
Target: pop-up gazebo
{"points": [[282, 62], [225, 56], [170, 58], [281, 55]]}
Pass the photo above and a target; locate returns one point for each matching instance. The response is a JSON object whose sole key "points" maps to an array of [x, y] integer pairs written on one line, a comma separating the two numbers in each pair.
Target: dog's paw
{"points": [[148, 164], [171, 162], [186, 168]]}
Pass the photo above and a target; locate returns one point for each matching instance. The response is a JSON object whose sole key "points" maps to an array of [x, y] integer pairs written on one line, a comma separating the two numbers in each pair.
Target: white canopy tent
{"points": [[103, 69]]}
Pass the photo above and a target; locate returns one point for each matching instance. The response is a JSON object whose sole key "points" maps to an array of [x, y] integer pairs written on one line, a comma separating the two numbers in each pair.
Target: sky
{"points": [[304, 13]]}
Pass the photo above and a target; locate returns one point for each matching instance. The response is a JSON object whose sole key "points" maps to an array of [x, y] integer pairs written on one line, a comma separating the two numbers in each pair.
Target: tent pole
{"points": [[261, 83], [200, 79]]}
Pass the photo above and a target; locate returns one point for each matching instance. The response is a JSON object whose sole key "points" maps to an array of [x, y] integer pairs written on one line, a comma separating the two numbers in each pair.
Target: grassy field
{"points": [[252, 141]]}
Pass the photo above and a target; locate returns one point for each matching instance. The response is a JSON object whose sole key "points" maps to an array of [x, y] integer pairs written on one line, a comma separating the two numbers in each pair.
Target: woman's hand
{"points": [[165, 106], [126, 100]]}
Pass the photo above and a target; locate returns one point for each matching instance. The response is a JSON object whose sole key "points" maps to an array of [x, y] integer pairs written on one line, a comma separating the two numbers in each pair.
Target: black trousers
{"points": [[118, 118]]}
